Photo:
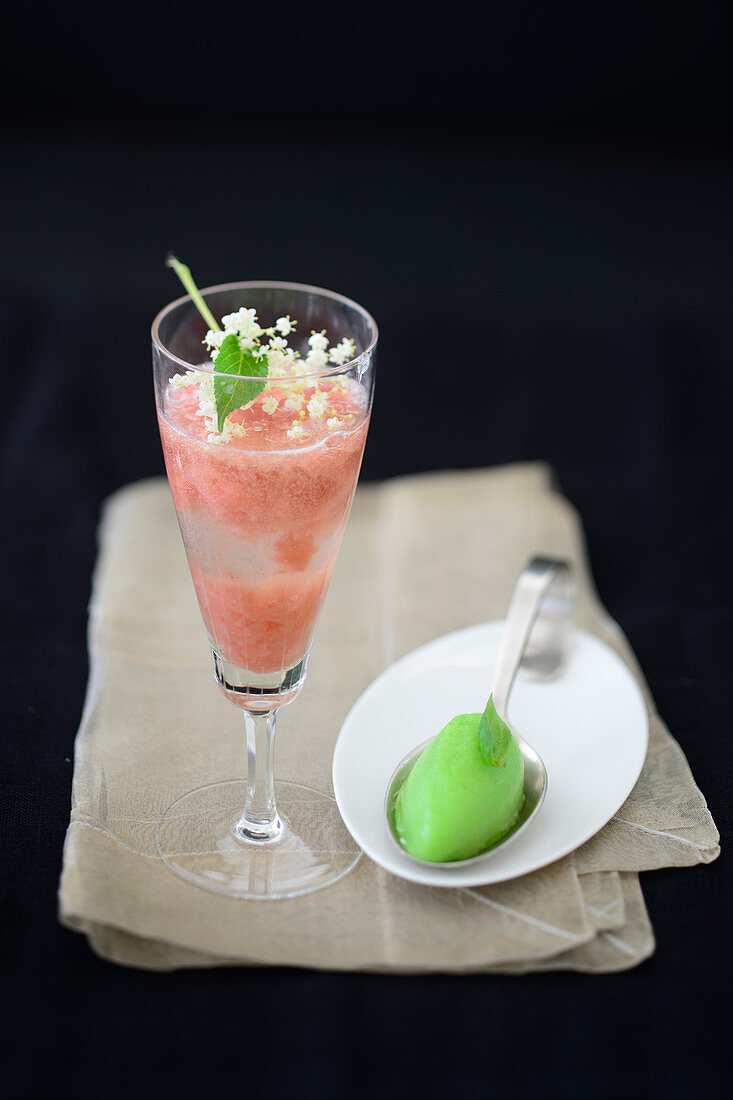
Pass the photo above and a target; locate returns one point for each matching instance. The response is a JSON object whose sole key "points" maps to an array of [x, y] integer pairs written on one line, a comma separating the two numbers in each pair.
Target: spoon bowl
{"points": [[536, 636], [535, 788]]}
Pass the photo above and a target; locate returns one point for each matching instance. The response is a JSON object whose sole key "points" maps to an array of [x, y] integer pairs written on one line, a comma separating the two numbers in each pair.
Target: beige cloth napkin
{"points": [[422, 556]]}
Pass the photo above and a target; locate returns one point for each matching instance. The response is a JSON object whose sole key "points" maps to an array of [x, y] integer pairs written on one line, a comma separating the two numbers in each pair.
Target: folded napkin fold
{"points": [[422, 556]]}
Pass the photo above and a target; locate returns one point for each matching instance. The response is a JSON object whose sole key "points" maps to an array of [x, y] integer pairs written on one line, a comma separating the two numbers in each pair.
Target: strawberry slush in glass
{"points": [[262, 497]]}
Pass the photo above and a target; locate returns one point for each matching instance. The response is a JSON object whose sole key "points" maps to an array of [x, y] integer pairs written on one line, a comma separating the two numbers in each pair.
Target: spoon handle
{"points": [[528, 609]]}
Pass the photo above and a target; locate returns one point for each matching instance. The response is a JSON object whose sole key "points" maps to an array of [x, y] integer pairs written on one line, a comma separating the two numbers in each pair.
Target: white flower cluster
{"points": [[207, 409], [282, 360], [317, 405], [319, 354], [254, 338], [273, 343]]}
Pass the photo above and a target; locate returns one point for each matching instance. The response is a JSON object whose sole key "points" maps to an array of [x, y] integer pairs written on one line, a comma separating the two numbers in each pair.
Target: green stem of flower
{"points": [[184, 274]]}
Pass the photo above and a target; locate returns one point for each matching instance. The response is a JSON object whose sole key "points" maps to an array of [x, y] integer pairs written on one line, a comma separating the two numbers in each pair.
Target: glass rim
{"points": [[209, 369]]}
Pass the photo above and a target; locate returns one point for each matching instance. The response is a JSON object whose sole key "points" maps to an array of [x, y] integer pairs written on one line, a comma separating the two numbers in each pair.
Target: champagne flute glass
{"points": [[262, 508]]}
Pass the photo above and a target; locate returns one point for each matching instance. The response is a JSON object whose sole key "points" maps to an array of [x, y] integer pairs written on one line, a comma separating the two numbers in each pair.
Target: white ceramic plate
{"points": [[589, 726]]}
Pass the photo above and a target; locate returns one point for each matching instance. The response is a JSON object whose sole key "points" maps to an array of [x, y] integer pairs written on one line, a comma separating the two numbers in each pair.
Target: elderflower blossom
{"points": [[294, 401], [296, 432], [276, 343], [270, 403], [179, 381], [232, 429], [318, 340], [285, 325], [243, 323], [281, 360], [333, 422], [213, 341], [317, 405], [316, 359], [207, 401], [342, 351]]}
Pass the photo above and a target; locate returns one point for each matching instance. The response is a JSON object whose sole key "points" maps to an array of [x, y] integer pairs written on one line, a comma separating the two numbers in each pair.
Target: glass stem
{"points": [[260, 823]]}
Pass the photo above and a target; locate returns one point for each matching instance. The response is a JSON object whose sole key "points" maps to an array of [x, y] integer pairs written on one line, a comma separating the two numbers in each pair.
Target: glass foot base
{"points": [[195, 838]]}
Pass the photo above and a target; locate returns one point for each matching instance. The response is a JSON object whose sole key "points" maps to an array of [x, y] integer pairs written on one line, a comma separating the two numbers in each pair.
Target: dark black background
{"points": [[536, 206]]}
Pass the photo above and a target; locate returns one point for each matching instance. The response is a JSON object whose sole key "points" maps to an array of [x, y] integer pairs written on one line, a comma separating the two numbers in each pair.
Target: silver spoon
{"points": [[536, 637]]}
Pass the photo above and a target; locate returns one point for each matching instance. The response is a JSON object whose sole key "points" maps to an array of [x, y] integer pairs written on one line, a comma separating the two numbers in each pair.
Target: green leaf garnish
{"points": [[233, 394], [493, 735]]}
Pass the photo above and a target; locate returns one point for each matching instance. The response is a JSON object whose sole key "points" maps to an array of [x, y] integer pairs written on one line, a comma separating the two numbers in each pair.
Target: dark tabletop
{"points": [[563, 250]]}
